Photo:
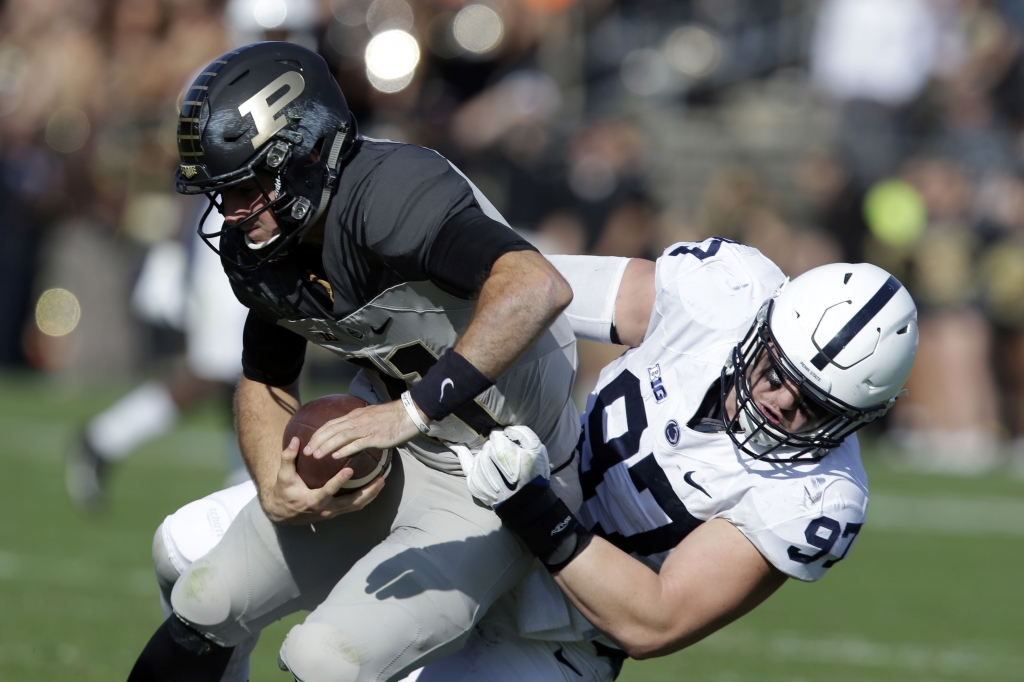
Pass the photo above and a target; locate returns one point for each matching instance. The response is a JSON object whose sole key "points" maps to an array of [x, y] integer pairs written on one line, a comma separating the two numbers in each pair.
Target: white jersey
{"points": [[649, 479]]}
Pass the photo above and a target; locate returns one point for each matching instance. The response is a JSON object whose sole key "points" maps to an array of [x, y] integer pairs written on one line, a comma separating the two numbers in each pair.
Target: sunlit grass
{"points": [[912, 602]]}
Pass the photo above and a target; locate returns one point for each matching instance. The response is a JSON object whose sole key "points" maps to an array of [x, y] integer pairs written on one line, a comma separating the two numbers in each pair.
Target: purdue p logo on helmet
{"points": [[265, 116], [846, 336], [265, 107]]}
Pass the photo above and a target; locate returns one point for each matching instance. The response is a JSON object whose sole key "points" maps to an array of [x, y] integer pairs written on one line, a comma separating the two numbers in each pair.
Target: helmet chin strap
{"points": [[755, 432], [332, 166]]}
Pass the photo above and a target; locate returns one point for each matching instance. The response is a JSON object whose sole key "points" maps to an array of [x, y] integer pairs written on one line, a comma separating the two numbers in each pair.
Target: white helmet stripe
{"points": [[856, 323]]}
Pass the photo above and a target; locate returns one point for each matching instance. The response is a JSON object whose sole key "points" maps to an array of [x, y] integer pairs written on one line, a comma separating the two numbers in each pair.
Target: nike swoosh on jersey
{"points": [[688, 477], [380, 330], [560, 657], [510, 486], [445, 383]]}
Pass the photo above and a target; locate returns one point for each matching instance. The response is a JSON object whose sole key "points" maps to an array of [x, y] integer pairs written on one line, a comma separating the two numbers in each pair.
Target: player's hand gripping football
{"points": [[294, 503], [375, 426], [508, 461]]}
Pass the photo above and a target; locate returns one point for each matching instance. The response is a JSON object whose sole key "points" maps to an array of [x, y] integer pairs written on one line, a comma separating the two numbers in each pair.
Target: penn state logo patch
{"points": [[672, 432]]}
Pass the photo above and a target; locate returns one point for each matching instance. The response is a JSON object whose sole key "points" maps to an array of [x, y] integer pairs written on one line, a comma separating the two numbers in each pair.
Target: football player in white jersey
{"points": [[718, 457]]}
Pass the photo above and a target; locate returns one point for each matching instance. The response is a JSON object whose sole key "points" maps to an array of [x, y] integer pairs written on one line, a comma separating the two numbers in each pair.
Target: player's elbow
{"points": [[533, 280], [651, 640], [550, 284], [561, 292], [551, 293], [642, 653], [643, 646]]}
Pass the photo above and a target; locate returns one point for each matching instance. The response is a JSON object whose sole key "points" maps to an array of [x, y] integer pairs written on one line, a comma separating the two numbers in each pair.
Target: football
{"points": [[366, 465]]}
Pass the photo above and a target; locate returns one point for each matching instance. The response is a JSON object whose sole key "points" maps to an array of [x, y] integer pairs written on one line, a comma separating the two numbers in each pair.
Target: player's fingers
{"points": [[363, 496], [342, 442], [357, 423], [334, 485], [352, 447], [321, 442], [289, 454], [325, 431]]}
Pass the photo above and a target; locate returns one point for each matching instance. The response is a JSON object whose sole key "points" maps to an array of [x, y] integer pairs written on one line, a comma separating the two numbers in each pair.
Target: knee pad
{"points": [[318, 652], [203, 600], [166, 572]]}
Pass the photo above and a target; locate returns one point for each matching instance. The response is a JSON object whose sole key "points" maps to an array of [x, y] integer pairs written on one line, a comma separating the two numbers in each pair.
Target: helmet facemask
{"points": [[754, 433], [301, 190]]}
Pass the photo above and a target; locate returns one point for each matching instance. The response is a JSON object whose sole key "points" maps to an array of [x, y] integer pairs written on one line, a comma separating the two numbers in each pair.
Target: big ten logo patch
{"points": [[657, 387]]}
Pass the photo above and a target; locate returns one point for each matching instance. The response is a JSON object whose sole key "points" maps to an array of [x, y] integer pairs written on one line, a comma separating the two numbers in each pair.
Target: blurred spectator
{"points": [[738, 206], [295, 21], [886, 130], [48, 64], [956, 340], [874, 57]]}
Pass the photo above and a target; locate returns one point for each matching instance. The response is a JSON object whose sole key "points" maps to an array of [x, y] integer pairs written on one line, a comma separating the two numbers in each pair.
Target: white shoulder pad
{"points": [[708, 292], [683, 258], [806, 546]]}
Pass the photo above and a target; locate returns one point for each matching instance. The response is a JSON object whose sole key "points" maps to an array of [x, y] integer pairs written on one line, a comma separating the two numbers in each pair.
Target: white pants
{"points": [[493, 652]]}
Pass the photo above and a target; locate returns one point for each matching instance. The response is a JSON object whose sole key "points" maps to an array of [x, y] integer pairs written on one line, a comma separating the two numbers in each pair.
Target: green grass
{"points": [[932, 591]]}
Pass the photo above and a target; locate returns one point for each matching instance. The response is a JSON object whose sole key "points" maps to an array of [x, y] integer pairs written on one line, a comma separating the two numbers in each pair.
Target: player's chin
{"points": [[260, 233]]}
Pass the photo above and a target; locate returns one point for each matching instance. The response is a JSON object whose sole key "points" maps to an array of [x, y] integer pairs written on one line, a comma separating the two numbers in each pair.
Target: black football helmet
{"points": [[265, 107]]}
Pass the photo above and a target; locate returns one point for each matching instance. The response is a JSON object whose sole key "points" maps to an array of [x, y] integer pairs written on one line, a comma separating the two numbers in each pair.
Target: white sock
{"points": [[143, 414]]}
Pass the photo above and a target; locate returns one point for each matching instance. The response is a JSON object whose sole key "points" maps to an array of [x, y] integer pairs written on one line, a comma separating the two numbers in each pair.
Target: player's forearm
{"points": [[624, 599], [714, 576], [519, 300], [261, 413]]}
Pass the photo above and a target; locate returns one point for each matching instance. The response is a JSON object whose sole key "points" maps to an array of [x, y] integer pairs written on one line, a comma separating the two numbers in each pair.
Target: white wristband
{"points": [[414, 414]]}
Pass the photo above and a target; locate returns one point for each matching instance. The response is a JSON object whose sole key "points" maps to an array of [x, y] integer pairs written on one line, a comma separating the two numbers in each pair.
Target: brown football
{"points": [[366, 465]]}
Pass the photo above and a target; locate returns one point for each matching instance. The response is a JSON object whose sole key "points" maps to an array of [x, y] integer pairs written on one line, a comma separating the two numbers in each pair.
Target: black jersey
{"points": [[392, 201], [408, 239]]}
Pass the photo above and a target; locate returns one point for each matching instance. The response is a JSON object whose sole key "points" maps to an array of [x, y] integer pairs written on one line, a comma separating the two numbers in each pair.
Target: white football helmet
{"points": [[846, 336]]}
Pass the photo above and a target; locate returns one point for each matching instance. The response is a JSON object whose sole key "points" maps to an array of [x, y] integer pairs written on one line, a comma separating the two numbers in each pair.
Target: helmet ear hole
{"points": [[316, 153]]}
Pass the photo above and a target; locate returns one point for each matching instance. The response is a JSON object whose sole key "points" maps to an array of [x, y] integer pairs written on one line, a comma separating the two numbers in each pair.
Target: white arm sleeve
{"points": [[595, 283]]}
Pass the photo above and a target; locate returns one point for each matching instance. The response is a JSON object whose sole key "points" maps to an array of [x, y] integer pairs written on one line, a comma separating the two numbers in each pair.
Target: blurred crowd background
{"points": [[887, 131]]}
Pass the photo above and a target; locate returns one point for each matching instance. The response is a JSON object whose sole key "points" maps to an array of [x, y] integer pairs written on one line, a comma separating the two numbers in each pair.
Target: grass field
{"points": [[932, 591]]}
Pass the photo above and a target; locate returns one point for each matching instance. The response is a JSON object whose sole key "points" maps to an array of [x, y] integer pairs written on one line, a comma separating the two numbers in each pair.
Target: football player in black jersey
{"points": [[385, 254]]}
